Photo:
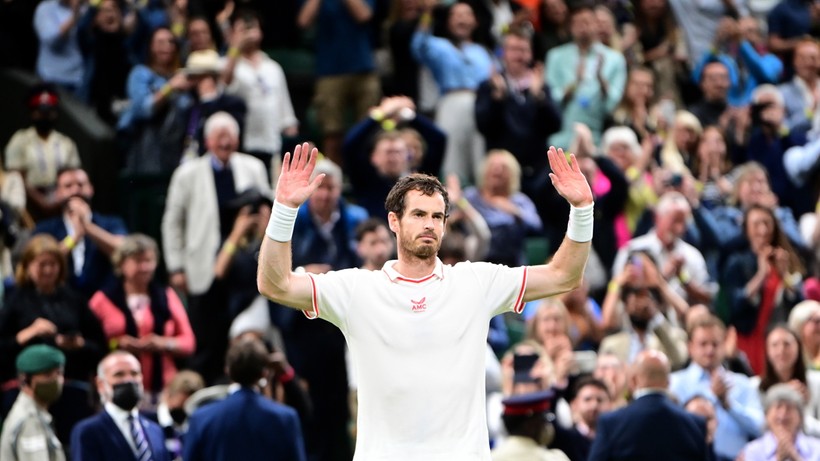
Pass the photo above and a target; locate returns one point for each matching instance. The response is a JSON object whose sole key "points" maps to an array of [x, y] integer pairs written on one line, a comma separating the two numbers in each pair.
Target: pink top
{"points": [[177, 327]]}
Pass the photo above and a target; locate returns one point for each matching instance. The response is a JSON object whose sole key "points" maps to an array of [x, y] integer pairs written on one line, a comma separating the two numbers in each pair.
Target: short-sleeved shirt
{"points": [[40, 158], [418, 347]]}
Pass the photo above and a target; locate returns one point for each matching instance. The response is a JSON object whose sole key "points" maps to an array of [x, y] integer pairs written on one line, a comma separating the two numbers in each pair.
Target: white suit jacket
{"points": [[190, 225]]}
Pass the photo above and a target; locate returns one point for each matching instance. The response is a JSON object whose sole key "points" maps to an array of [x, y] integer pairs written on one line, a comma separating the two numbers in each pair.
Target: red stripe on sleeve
{"points": [[519, 302], [314, 301]]}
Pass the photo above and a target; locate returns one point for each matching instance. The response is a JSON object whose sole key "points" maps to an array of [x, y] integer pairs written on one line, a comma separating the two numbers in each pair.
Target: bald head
{"points": [[650, 370]]}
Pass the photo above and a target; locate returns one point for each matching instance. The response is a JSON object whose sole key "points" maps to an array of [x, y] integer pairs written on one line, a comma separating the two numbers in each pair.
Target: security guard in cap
{"points": [[525, 417], [27, 432]]}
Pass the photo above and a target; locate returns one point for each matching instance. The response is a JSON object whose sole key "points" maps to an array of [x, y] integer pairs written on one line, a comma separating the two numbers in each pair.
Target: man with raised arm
{"points": [[417, 328]]}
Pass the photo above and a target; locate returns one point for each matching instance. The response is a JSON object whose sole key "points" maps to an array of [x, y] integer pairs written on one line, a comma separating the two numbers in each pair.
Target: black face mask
{"points": [[126, 395], [178, 415], [638, 323], [43, 125]]}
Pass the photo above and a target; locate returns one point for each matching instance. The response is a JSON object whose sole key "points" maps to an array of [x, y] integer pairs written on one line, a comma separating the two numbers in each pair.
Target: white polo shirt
{"points": [[419, 350]]}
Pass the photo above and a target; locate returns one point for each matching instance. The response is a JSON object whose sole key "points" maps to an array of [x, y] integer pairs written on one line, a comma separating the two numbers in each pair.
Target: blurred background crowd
{"points": [[141, 145]]}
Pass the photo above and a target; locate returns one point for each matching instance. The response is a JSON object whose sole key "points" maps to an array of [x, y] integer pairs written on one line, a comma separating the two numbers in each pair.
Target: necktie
{"points": [[143, 451]]}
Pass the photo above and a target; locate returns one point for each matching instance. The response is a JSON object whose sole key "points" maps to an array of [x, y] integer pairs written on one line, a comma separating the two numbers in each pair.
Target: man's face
{"points": [[420, 229], [223, 142], [589, 403], [807, 61], [517, 54], [640, 304], [376, 247], [119, 368], [715, 82], [706, 347], [73, 183], [109, 17], [610, 370], [461, 21], [584, 27], [671, 225], [390, 157], [640, 88], [704, 408], [199, 35], [326, 197]]}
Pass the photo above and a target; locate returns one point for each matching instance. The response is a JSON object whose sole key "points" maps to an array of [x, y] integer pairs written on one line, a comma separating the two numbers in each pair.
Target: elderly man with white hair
{"points": [[785, 438], [199, 215], [680, 264]]}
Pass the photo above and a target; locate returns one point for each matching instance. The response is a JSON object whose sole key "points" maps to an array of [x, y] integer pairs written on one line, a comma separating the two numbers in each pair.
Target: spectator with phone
{"points": [[739, 413]]}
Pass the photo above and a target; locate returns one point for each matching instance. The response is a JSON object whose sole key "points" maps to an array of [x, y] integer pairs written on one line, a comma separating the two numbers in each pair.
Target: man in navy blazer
{"points": [[87, 238], [119, 431], [246, 425], [652, 427]]}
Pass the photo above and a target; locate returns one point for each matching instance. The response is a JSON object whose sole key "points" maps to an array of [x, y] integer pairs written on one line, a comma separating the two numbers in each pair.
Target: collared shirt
{"points": [[765, 448], [120, 418], [217, 164], [649, 391], [40, 158], [454, 68], [735, 426], [28, 435], [78, 252]]}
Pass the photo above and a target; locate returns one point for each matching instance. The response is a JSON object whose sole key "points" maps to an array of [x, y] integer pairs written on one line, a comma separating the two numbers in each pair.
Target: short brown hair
{"points": [[185, 382], [246, 361], [424, 183], [39, 244], [704, 323]]}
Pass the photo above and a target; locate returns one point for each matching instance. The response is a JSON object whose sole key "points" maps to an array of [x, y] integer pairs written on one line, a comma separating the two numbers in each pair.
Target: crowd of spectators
{"points": [[696, 124]]}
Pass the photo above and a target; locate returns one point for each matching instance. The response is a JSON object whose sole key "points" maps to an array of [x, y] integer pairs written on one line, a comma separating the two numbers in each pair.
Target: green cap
{"points": [[39, 358]]}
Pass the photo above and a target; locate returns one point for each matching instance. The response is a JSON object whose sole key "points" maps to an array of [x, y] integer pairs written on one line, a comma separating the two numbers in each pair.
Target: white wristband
{"points": [[282, 219], [581, 221]]}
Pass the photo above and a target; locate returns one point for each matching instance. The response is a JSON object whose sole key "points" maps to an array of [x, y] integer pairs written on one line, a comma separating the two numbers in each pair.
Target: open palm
{"points": [[568, 179], [294, 185]]}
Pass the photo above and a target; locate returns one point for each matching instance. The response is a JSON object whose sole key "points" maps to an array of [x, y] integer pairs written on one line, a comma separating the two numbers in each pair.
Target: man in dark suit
{"points": [[119, 432], [86, 238], [651, 427], [245, 425]]}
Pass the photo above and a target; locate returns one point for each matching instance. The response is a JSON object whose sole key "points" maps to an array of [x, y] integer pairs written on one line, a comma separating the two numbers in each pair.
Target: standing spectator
{"points": [[651, 427], [525, 417], [514, 112], [87, 238], [785, 437], [801, 94], [634, 109], [41, 368], [401, 24], [699, 22], [788, 23], [586, 77], [59, 59], [345, 68], [662, 46], [260, 82], [37, 153], [553, 16], [713, 108], [458, 65], [152, 127], [804, 320], [143, 317], [739, 414], [104, 33], [245, 425], [589, 402], [198, 219], [613, 372], [119, 431], [703, 407]]}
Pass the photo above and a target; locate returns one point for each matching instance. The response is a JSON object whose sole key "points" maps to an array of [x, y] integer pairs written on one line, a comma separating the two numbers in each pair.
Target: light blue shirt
{"points": [[588, 105], [765, 448], [59, 59], [735, 426], [453, 67]]}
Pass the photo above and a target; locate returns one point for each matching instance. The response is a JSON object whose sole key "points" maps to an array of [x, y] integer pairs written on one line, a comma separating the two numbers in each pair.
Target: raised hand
{"points": [[568, 179], [294, 185]]}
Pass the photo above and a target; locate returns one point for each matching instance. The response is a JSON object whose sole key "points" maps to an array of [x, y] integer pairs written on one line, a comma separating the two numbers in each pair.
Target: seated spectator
{"points": [[13, 221], [198, 36], [660, 47], [37, 153], [260, 82], [44, 309], [119, 385], [642, 293], [761, 283], [711, 166], [510, 215], [585, 327], [788, 22], [589, 401], [784, 438], [374, 244], [634, 109], [376, 155], [703, 407], [467, 236], [739, 413], [152, 127], [87, 238], [804, 320], [105, 34], [240, 425], [801, 94], [612, 372], [525, 418], [553, 18], [59, 59], [678, 152], [144, 317], [784, 365], [734, 359], [713, 108], [171, 415]]}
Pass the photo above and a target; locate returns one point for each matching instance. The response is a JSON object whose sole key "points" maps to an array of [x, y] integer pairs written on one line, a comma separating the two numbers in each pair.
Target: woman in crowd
{"points": [[142, 316], [804, 320], [711, 166], [509, 213], [660, 46], [761, 283], [785, 438]]}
